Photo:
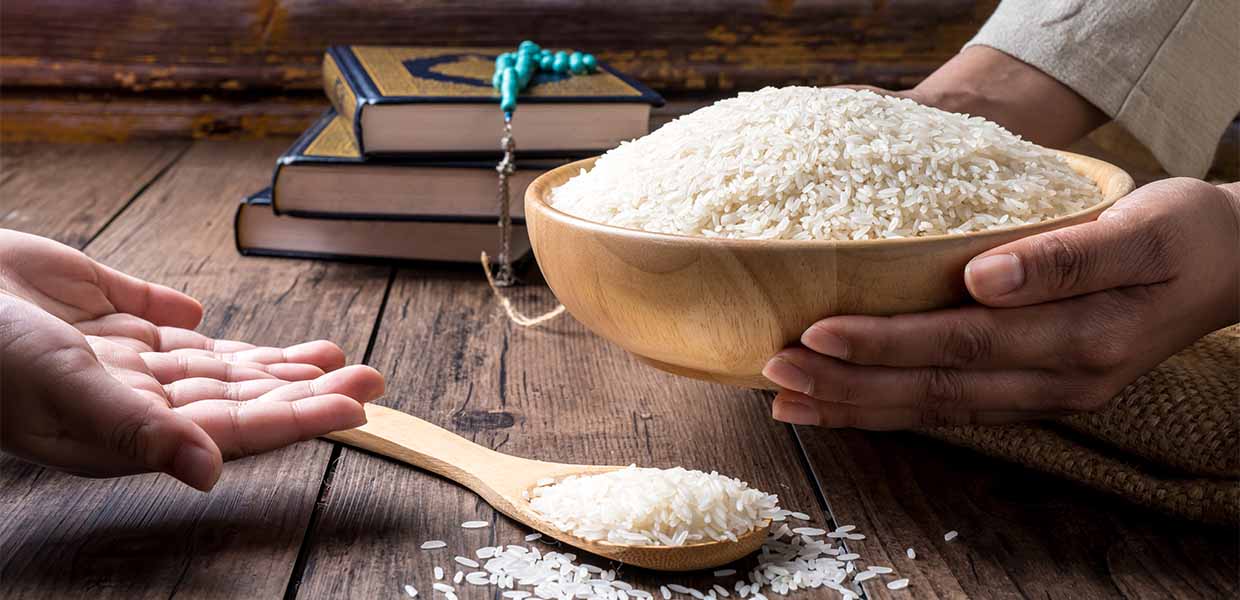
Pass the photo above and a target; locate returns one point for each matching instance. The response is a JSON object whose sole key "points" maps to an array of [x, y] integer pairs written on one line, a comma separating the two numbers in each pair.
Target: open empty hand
{"points": [[102, 375], [1064, 321]]}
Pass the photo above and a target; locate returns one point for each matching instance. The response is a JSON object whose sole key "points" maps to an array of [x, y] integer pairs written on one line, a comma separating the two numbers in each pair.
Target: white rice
{"points": [[433, 544], [410, 591], [654, 507], [898, 584], [825, 164], [951, 535], [474, 524], [912, 554]]}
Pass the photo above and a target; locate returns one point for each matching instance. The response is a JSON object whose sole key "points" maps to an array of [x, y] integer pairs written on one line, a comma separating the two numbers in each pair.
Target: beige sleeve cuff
{"points": [[1167, 70]]}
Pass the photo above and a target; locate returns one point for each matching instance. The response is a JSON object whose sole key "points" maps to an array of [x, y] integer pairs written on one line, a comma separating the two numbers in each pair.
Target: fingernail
{"points": [[824, 342], [994, 276], [787, 375], [794, 413], [195, 466]]}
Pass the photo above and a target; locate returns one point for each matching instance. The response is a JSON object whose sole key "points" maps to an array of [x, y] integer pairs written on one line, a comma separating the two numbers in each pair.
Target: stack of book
{"points": [[403, 164]]}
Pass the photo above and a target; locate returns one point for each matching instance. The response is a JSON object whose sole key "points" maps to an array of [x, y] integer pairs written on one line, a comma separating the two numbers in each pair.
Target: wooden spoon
{"points": [[500, 479]]}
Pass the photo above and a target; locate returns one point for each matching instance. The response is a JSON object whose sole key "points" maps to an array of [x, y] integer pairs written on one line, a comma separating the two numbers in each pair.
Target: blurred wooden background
{"points": [[110, 70]]}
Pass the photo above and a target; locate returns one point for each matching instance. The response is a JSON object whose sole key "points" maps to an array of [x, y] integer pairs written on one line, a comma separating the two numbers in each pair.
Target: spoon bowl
{"points": [[505, 482]]}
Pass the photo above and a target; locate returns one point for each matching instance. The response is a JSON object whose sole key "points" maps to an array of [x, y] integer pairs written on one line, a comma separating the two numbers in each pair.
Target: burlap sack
{"points": [[1171, 440]]}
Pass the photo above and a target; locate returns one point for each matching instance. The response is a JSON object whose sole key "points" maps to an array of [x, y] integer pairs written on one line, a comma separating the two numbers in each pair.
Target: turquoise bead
{"points": [[530, 45], [503, 61], [525, 69], [574, 64], [547, 62], [509, 88], [561, 62], [590, 62], [497, 78], [545, 52]]}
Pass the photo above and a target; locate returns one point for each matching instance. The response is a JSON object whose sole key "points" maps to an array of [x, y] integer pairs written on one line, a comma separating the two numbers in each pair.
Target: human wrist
{"points": [[986, 82]]}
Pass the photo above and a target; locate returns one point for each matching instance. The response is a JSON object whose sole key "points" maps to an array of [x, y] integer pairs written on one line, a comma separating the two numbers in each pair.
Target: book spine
{"points": [[343, 97]]}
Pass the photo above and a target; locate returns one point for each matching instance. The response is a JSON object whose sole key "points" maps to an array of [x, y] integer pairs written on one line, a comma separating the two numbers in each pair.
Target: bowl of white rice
{"points": [[709, 245]]}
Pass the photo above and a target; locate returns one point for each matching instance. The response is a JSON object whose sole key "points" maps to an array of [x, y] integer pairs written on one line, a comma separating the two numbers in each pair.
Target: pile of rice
{"points": [[664, 507], [825, 164]]}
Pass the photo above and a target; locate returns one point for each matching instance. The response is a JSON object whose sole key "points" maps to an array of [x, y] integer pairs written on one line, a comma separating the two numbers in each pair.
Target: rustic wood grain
{"points": [[556, 393], [41, 116], [68, 192], [149, 536], [677, 46], [1022, 534]]}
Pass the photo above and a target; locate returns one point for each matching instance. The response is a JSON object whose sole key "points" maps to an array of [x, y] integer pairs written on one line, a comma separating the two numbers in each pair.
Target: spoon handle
{"points": [[406, 438]]}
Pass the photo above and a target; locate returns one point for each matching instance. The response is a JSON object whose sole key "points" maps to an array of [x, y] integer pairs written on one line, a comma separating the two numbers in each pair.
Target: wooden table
{"points": [[319, 520]]}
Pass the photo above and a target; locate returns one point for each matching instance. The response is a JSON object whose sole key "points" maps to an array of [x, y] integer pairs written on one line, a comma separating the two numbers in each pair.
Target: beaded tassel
{"points": [[505, 168], [514, 72]]}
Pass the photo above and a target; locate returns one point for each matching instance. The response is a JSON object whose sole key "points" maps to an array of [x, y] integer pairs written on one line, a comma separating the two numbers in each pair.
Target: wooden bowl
{"points": [[718, 309]]}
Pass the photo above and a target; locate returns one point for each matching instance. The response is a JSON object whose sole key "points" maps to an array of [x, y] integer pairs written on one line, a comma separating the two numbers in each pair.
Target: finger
{"points": [[185, 391], [798, 409], [168, 367], [320, 353], [924, 388], [153, 338], [967, 337], [1132, 243], [359, 382], [176, 338], [156, 303], [247, 428], [130, 330]]}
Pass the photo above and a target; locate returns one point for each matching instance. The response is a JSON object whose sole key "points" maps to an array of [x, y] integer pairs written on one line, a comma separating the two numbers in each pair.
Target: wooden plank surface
{"points": [[149, 536], [692, 46], [557, 394], [68, 192], [1022, 534]]}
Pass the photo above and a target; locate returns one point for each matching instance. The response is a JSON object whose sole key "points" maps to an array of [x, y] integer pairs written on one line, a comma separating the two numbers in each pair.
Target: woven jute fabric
{"points": [[1170, 440]]}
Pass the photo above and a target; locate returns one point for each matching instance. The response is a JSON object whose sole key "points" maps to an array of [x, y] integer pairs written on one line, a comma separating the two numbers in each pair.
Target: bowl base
{"points": [[756, 381]]}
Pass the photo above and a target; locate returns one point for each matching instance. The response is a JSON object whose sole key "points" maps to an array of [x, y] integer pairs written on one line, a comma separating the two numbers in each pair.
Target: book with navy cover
{"points": [[258, 231], [324, 175], [411, 100]]}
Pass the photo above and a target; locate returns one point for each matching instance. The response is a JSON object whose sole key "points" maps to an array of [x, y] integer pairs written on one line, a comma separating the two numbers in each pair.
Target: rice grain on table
{"points": [[805, 163], [951, 535], [433, 544], [474, 524]]}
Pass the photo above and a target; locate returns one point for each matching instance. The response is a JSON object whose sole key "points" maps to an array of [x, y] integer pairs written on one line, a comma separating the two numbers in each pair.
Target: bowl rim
{"points": [[542, 204]]}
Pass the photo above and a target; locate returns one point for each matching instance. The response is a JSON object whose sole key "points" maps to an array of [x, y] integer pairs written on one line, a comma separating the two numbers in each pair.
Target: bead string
{"points": [[514, 72]]}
